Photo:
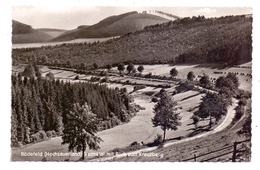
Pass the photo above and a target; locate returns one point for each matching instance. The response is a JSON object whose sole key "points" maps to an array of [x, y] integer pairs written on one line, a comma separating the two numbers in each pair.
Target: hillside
{"points": [[20, 28], [188, 40], [113, 26], [23, 33]]}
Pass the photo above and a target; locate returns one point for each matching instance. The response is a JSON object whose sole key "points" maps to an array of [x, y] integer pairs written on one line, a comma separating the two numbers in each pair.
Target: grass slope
{"points": [[216, 147], [113, 26]]}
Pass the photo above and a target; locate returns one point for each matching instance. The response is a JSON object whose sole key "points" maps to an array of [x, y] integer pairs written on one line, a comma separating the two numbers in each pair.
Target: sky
{"points": [[70, 17]]}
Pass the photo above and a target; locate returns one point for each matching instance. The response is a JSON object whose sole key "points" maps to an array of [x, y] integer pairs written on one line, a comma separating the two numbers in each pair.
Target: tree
{"points": [[121, 67], [82, 66], [195, 119], [38, 73], [14, 125], [76, 77], [205, 81], [95, 65], [108, 67], [213, 105], [68, 64], [49, 76], [29, 71], [190, 76], [130, 67], [234, 79], [227, 85], [79, 132], [44, 59], [140, 68], [166, 115], [174, 72], [56, 62]]}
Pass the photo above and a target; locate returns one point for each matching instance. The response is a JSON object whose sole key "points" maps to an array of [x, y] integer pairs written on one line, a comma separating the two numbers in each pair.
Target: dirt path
{"points": [[222, 126]]}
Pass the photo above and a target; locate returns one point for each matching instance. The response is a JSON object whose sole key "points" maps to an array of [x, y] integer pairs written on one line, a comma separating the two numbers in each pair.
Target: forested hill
{"points": [[23, 33], [113, 26], [188, 40]]}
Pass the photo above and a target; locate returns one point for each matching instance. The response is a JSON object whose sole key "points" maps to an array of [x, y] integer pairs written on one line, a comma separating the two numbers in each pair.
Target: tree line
{"points": [[40, 106]]}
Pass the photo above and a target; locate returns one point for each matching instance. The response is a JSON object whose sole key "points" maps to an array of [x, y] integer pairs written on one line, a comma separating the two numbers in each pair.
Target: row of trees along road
{"points": [[215, 104], [130, 68]]}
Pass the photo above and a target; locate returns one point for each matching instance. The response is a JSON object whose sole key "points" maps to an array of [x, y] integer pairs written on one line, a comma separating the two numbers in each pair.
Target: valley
{"points": [[180, 88]]}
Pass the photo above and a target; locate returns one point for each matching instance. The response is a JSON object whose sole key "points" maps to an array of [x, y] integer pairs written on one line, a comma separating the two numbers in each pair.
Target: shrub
{"points": [[158, 139], [103, 73], [27, 139], [195, 119], [103, 80], [20, 144], [154, 99], [118, 150], [135, 143], [163, 86], [94, 79], [53, 133], [239, 112], [76, 77], [42, 135], [49, 134], [139, 87], [149, 75], [242, 102], [132, 147], [35, 137], [174, 92]]}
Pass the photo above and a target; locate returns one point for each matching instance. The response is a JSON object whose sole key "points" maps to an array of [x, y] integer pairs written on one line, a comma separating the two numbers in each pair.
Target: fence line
{"points": [[231, 149]]}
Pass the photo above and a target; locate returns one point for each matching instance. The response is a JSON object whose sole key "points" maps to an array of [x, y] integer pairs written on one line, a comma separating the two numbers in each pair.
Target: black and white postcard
{"points": [[131, 83]]}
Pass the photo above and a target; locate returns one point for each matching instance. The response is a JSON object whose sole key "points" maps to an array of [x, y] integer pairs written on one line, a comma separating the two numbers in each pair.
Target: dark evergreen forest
{"points": [[40, 106]]}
